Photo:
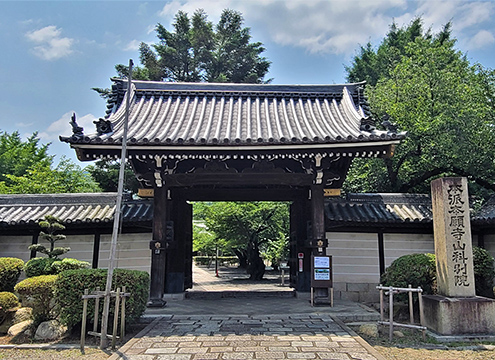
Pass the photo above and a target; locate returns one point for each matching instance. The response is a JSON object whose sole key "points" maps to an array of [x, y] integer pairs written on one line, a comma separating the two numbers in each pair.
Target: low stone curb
{"points": [[44, 346], [121, 351], [359, 339]]}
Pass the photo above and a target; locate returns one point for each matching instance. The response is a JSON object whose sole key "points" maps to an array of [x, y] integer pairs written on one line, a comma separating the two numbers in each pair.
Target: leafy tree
{"points": [[51, 232], [446, 105], [196, 50], [106, 174], [40, 178], [247, 228], [17, 156]]}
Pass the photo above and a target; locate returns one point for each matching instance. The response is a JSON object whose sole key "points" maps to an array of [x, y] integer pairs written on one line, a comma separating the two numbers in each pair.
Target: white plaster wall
{"points": [[15, 246], [132, 249], [397, 245], [354, 256], [81, 247], [133, 252]]}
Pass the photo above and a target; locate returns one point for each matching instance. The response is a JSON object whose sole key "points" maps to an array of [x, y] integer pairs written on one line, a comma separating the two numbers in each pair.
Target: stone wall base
{"points": [[456, 316], [357, 292]]}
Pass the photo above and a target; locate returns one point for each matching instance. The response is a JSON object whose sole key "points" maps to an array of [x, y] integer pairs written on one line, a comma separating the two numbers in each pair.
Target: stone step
{"points": [[209, 295]]}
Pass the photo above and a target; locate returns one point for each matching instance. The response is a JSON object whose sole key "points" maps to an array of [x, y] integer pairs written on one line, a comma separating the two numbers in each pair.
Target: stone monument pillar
{"points": [[452, 232], [456, 309]]}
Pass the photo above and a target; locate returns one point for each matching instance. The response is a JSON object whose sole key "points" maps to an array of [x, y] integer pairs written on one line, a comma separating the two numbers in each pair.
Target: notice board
{"points": [[321, 271]]}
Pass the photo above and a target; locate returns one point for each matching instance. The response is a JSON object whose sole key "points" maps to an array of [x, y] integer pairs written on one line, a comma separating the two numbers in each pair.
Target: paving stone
{"points": [[238, 355], [361, 356], [298, 355], [154, 351], [140, 357], [275, 343], [301, 343], [269, 355], [190, 350], [332, 356], [221, 349], [206, 356], [174, 357]]}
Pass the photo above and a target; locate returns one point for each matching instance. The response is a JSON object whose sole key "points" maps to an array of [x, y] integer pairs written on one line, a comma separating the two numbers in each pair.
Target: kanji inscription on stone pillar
{"points": [[452, 233]]}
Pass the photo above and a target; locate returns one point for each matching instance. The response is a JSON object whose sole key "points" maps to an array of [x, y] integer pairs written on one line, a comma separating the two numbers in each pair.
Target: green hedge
{"points": [[484, 272], [207, 260], [10, 270], [8, 301], [420, 270], [48, 266], [38, 291], [71, 284], [39, 266]]}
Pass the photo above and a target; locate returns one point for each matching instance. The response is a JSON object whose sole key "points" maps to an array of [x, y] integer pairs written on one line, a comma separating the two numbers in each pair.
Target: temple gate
{"points": [[235, 142]]}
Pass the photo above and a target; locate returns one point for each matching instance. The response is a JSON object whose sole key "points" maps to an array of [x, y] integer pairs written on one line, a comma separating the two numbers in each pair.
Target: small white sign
{"points": [[322, 274], [322, 262]]}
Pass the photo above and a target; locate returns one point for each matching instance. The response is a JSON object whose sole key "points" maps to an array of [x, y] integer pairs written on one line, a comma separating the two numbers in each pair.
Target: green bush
{"points": [[39, 266], [69, 264], [8, 301], [419, 270], [208, 260], [38, 292], [10, 270], [71, 284], [484, 272], [50, 266]]}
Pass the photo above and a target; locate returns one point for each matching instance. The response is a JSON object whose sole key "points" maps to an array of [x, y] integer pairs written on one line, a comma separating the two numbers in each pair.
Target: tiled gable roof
{"points": [[380, 209], [171, 114], [355, 209], [69, 208]]}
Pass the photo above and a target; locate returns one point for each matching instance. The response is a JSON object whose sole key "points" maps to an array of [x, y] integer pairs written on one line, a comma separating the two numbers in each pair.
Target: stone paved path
{"points": [[195, 337]]}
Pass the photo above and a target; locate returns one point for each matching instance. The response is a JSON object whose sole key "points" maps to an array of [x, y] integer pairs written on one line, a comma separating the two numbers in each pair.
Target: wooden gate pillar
{"points": [[317, 212], [157, 246]]}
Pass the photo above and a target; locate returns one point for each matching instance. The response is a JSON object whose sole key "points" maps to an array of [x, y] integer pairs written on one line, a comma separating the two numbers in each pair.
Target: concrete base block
{"points": [[455, 316]]}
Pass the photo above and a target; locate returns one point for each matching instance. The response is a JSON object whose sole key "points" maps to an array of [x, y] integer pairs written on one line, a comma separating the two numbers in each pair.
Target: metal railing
{"points": [[393, 290]]}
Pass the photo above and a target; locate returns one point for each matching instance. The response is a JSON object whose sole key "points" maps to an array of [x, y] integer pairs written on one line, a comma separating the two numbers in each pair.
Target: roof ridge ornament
{"points": [[103, 126], [77, 131], [367, 124], [388, 125]]}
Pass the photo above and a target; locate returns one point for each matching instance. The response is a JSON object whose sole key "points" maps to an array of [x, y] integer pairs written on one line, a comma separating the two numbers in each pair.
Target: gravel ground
{"points": [[93, 354], [394, 353]]}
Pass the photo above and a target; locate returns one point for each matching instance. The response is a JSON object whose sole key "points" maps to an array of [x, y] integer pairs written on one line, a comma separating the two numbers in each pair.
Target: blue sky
{"points": [[54, 52]]}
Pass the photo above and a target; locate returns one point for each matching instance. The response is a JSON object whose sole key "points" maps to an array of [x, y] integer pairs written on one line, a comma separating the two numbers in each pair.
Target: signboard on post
{"points": [[321, 269], [321, 276]]}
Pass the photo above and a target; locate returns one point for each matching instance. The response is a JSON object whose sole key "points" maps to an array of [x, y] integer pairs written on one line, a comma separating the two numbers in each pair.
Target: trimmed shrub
{"points": [[484, 272], [8, 301], [69, 264], [10, 270], [49, 266], [420, 270], [38, 291], [415, 269], [71, 284], [39, 266]]}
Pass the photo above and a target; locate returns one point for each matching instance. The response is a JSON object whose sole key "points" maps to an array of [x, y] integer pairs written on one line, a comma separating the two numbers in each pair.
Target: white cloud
{"points": [[132, 45], [480, 40], [318, 26], [322, 26], [23, 125], [63, 127], [50, 43], [463, 14]]}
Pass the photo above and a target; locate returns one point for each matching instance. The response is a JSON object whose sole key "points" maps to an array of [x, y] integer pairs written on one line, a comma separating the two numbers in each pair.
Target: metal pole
{"points": [[411, 308], [391, 313], [116, 219]]}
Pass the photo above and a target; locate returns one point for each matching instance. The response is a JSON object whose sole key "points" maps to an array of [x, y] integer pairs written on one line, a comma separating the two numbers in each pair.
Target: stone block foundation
{"points": [[459, 316]]}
